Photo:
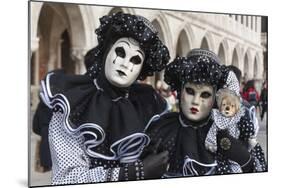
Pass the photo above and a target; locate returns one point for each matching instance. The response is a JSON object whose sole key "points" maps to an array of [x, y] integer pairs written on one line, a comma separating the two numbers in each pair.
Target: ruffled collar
{"points": [[185, 142], [111, 122], [195, 158]]}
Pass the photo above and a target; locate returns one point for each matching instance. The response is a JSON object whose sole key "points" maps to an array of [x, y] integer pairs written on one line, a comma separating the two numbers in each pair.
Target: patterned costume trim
{"points": [[189, 170], [222, 123], [71, 164], [121, 149]]}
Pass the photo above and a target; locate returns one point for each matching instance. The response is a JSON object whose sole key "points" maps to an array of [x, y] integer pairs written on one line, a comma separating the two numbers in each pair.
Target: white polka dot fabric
{"points": [[234, 167], [232, 83], [222, 123], [241, 127], [259, 159], [71, 164], [227, 167]]}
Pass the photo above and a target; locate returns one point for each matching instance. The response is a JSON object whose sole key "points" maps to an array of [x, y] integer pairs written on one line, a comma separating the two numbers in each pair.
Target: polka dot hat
{"points": [[199, 67], [136, 27]]}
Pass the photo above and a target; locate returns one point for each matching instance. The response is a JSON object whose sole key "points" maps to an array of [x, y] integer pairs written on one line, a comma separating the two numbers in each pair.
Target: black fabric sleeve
{"points": [[41, 118]]}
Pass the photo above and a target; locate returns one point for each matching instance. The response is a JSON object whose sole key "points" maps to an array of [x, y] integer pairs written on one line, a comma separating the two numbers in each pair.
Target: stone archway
{"points": [[67, 63], [115, 10], [158, 75], [52, 21], [118, 9], [50, 26], [157, 26], [255, 70], [235, 61], [246, 67], [183, 44], [205, 44], [221, 54]]}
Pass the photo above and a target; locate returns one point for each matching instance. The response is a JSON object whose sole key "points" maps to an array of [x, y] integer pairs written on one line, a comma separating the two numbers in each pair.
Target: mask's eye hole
{"points": [[206, 94], [189, 91], [136, 60], [120, 52]]}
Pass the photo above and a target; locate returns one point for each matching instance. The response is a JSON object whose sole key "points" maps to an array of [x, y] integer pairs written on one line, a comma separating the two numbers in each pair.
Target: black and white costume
{"points": [[186, 139], [97, 129]]}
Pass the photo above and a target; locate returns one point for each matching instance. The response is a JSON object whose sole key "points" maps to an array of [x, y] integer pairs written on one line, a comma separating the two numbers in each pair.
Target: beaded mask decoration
{"points": [[126, 25]]}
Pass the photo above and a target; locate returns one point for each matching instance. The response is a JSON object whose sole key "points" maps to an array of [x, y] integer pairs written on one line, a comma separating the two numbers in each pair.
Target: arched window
{"points": [[115, 10], [255, 73], [158, 75], [183, 44], [235, 59], [66, 62], [32, 69], [221, 54], [246, 67], [204, 44]]}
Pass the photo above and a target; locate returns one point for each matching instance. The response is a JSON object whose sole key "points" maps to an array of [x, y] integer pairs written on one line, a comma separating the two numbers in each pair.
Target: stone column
{"points": [[34, 45], [255, 23], [252, 23], [36, 68], [59, 64], [244, 20], [258, 24], [249, 21], [77, 55], [34, 49], [52, 60], [239, 18]]}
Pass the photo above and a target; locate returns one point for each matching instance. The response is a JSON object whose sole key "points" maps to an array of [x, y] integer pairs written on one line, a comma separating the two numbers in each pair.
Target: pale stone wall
{"points": [[235, 38]]}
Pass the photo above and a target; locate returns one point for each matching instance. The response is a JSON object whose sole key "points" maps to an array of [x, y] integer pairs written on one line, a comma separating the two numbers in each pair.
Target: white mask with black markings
{"points": [[196, 101], [124, 62]]}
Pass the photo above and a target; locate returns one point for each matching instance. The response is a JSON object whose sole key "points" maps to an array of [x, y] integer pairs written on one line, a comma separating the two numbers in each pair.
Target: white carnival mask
{"points": [[197, 101], [124, 62]]}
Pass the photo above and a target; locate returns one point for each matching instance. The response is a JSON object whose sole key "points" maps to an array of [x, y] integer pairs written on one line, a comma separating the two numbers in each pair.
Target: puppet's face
{"points": [[124, 62], [230, 105], [197, 101]]}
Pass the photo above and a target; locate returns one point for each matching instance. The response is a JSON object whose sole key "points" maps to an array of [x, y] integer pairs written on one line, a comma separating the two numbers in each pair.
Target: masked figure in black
{"points": [[189, 134], [97, 130]]}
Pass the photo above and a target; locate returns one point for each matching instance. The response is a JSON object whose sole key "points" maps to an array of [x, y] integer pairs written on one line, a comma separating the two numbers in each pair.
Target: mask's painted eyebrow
{"points": [[130, 47], [126, 43], [141, 53]]}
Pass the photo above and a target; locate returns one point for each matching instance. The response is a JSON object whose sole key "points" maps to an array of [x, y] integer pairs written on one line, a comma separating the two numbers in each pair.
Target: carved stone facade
{"points": [[61, 34]]}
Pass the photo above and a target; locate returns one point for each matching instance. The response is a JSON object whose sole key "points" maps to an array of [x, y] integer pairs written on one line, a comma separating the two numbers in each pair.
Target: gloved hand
{"points": [[235, 150], [156, 161], [155, 165]]}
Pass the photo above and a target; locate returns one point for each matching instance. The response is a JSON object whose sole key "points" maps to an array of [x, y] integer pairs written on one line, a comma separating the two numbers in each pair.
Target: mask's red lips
{"points": [[194, 110]]}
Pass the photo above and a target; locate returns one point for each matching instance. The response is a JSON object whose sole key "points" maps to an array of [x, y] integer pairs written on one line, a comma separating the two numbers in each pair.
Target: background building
{"points": [[61, 34]]}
